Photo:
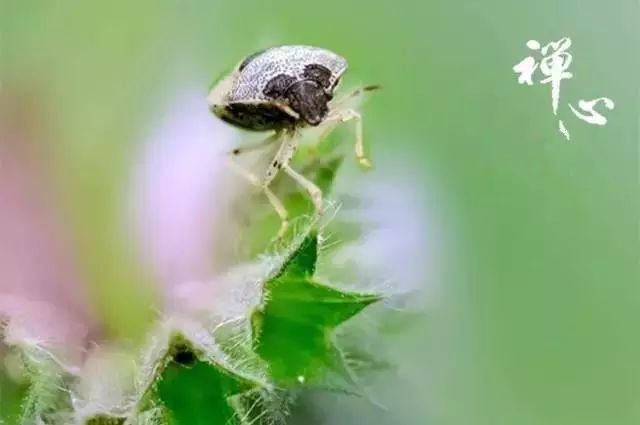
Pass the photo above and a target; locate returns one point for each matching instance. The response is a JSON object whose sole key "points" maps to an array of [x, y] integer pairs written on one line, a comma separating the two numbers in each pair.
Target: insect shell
{"points": [[278, 88]]}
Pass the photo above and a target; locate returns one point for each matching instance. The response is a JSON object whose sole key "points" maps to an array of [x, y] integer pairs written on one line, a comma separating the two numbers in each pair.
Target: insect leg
{"points": [[282, 158], [343, 116], [314, 191], [258, 145], [273, 199], [360, 155]]}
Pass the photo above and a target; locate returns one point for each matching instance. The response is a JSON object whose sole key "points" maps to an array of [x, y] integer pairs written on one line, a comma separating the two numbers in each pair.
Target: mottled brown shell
{"points": [[278, 88]]}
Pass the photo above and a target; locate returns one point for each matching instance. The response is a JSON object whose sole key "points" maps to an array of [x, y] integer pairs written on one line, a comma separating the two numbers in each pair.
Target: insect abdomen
{"points": [[255, 116]]}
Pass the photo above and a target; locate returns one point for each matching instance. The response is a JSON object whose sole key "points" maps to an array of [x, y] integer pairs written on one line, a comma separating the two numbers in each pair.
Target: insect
{"points": [[282, 90]]}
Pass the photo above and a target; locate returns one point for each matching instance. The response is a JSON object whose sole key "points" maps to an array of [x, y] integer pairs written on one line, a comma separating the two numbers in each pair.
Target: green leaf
{"points": [[12, 392], [195, 391], [301, 264], [198, 393], [105, 420], [293, 331]]}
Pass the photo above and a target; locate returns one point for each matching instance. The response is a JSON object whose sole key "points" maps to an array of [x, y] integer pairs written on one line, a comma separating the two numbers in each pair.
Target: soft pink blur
{"points": [[179, 217], [181, 191], [41, 287]]}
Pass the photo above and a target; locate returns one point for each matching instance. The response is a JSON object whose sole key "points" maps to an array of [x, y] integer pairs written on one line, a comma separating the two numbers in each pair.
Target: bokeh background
{"points": [[532, 315]]}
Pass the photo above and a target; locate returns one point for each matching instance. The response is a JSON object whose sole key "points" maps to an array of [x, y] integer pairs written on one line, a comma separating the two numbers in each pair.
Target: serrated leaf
{"points": [[199, 394], [301, 264], [293, 331], [196, 391]]}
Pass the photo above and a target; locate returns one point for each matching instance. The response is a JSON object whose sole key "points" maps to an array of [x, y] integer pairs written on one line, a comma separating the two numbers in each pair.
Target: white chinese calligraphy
{"points": [[528, 65], [554, 66], [594, 117]]}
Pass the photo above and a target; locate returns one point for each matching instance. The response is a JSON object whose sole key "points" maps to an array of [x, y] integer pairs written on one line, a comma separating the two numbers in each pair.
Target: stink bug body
{"points": [[282, 90]]}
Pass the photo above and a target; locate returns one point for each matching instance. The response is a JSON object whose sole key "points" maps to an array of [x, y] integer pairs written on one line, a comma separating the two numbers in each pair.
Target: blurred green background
{"points": [[539, 299]]}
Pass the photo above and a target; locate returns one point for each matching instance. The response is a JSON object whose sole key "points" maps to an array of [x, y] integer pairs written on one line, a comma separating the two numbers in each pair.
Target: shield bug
{"points": [[282, 90]]}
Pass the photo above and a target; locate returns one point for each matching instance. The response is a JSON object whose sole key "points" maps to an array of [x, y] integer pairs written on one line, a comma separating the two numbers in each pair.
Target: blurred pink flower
{"points": [[181, 191], [41, 286], [399, 250], [179, 222]]}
